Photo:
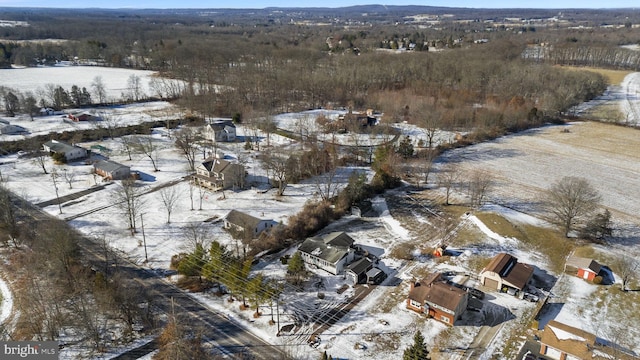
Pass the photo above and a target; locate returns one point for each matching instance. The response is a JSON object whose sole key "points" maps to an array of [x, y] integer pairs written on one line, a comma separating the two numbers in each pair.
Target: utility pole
{"points": [[144, 241]]}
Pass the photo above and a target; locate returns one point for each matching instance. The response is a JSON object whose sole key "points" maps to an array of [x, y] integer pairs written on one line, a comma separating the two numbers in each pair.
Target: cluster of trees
{"points": [[219, 266], [54, 288]]}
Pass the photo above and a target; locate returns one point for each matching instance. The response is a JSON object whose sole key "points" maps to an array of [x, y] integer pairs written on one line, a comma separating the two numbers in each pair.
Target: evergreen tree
{"points": [[417, 351], [296, 268]]}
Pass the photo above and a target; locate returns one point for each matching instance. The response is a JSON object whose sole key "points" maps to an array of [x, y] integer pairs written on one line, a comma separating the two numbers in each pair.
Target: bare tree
{"points": [[149, 148], [277, 164], [128, 200], [187, 142], [8, 219], [170, 197], [98, 88], [128, 145], [195, 235], [134, 88], [479, 183], [429, 156], [628, 268], [69, 177], [447, 178], [570, 200]]}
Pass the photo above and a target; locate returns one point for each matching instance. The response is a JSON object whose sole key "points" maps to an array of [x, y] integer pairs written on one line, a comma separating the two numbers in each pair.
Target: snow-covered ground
{"points": [[625, 97], [112, 116], [523, 164], [115, 80]]}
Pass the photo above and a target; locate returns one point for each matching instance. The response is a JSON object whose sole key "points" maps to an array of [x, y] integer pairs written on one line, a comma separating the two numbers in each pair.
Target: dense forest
{"points": [[476, 74]]}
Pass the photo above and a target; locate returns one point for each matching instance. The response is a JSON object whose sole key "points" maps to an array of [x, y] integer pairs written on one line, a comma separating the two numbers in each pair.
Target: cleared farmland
{"points": [[526, 164]]}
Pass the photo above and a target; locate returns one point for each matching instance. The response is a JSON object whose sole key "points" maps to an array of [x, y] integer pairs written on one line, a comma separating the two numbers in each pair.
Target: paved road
{"points": [[229, 337]]}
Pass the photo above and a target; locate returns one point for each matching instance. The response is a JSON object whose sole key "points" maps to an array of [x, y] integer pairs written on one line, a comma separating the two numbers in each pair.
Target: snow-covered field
{"points": [[524, 165], [624, 97], [115, 80]]}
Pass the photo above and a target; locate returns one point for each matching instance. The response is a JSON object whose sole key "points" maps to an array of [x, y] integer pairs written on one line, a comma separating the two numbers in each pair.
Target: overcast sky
{"points": [[164, 4]]}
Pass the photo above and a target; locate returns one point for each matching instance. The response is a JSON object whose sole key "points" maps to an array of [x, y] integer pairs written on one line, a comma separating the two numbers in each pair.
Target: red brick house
{"points": [[438, 299], [584, 268]]}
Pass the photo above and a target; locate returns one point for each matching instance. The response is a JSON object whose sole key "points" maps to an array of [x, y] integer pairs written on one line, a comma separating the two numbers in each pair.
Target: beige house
{"points": [[218, 174], [564, 342], [504, 270], [248, 225], [112, 170]]}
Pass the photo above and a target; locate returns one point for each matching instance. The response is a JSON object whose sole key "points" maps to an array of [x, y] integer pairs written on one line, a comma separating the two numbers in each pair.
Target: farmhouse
{"points": [[70, 152], [331, 252], [584, 268], [250, 226], [220, 131], [504, 270], [438, 299], [218, 174], [111, 170]]}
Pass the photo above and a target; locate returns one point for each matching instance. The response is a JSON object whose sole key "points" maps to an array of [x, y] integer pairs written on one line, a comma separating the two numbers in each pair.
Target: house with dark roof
{"points": [[584, 268], [438, 299], [218, 174], [249, 226], [112, 170], [331, 252], [70, 152], [504, 270], [356, 272], [83, 116], [220, 131]]}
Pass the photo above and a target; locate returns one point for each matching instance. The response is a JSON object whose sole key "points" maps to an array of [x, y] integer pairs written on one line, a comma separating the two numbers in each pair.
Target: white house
{"points": [[71, 152], [331, 252], [220, 131]]}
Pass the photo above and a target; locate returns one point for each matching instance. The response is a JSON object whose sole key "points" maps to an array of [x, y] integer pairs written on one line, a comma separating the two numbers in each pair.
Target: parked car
{"points": [[531, 297], [476, 293], [529, 356]]}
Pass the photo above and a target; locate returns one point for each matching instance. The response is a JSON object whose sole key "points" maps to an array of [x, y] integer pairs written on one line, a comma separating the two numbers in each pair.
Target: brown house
{"points": [[438, 299], [564, 342], [504, 270]]}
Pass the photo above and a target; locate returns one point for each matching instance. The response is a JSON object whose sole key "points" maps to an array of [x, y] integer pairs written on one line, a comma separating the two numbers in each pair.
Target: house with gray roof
{"points": [[70, 152], [248, 225], [356, 272], [218, 174], [331, 252], [220, 131], [112, 170]]}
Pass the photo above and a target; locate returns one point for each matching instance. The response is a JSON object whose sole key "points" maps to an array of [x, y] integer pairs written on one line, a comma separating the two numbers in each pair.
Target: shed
{"points": [[584, 268]]}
